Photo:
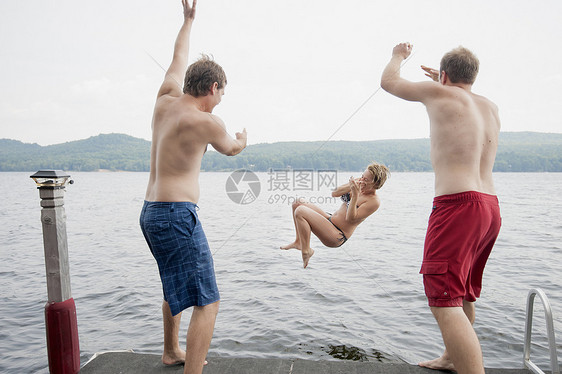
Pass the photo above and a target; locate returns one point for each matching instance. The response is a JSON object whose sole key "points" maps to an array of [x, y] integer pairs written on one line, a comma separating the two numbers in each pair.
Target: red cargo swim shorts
{"points": [[461, 232]]}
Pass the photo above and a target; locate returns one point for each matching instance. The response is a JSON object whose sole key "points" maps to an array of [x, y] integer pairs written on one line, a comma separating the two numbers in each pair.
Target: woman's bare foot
{"points": [[306, 256], [441, 363], [294, 244]]}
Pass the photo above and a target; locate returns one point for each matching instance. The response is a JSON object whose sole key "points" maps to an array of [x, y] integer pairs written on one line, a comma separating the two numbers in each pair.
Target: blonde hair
{"points": [[380, 174]]}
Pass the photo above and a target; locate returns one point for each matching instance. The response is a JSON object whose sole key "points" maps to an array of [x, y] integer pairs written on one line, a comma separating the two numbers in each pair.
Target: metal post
{"points": [[60, 311]]}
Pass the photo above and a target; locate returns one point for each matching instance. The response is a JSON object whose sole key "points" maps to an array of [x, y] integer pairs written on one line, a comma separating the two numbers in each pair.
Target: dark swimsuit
{"points": [[343, 239], [346, 199]]}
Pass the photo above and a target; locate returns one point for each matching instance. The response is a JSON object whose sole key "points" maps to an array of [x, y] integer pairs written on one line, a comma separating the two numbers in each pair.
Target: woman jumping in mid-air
{"points": [[359, 202]]}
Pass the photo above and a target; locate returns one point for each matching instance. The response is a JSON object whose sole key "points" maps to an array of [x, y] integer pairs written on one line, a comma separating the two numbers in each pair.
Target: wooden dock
{"points": [[136, 363]]}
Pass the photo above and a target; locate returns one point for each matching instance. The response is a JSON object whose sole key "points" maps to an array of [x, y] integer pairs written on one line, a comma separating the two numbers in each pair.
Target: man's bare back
{"points": [[464, 130], [464, 127], [181, 131]]}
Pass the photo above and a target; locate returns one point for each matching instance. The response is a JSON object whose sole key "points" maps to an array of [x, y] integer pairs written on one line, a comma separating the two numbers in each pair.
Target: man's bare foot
{"points": [[177, 358], [441, 363], [294, 244], [173, 358], [306, 256]]}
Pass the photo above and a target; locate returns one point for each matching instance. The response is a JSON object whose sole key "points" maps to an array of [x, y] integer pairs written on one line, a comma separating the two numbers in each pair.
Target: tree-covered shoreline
{"points": [[517, 152]]}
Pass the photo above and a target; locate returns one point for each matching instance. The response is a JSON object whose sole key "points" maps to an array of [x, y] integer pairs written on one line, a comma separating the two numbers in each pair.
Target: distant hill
{"points": [[518, 152], [106, 151]]}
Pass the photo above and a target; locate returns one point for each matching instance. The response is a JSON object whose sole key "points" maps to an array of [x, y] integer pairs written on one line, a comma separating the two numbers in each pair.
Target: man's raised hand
{"points": [[402, 49], [430, 72], [242, 138], [188, 11]]}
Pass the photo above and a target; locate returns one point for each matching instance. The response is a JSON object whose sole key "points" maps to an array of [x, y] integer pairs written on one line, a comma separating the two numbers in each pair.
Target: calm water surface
{"points": [[362, 301]]}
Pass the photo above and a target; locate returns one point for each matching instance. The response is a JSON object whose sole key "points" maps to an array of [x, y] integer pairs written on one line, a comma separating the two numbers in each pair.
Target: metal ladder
{"points": [[555, 369]]}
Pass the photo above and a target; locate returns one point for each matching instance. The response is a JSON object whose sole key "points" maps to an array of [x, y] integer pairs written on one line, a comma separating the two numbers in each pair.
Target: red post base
{"points": [[62, 337]]}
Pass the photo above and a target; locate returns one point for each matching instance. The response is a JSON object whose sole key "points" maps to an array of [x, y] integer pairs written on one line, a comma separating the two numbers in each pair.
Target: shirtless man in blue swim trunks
{"points": [[182, 127], [360, 200]]}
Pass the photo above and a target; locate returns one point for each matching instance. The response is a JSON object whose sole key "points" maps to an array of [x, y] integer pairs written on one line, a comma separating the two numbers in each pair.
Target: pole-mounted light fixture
{"points": [[51, 178]]}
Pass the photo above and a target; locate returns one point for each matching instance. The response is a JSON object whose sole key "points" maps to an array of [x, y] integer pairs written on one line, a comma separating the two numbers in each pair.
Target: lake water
{"points": [[364, 300]]}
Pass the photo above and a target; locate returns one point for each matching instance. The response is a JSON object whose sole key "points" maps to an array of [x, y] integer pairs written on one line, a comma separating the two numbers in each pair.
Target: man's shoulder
{"points": [[464, 98], [165, 104], [175, 107], [485, 101], [199, 123]]}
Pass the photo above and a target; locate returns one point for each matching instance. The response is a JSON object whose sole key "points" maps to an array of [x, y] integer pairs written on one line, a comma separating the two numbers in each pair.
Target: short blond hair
{"points": [[380, 174]]}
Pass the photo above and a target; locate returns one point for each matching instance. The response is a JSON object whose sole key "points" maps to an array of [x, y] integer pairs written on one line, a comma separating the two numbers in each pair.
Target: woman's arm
{"points": [[342, 190], [359, 213], [351, 214]]}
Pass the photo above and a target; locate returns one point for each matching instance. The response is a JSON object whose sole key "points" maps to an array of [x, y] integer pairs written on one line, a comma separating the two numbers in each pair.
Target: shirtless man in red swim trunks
{"points": [[465, 220]]}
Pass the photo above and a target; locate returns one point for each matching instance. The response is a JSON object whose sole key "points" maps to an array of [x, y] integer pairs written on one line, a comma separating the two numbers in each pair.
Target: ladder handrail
{"points": [[555, 369]]}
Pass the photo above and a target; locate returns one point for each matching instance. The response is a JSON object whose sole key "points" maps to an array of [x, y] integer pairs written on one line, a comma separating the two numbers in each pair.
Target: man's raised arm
{"points": [[173, 80], [393, 83]]}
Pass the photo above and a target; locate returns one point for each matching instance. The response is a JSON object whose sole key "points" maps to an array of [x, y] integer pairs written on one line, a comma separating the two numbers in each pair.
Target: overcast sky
{"points": [[297, 70]]}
